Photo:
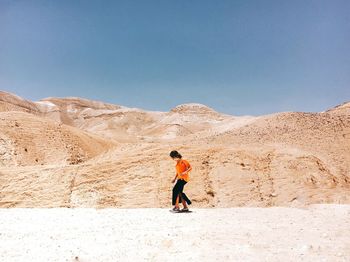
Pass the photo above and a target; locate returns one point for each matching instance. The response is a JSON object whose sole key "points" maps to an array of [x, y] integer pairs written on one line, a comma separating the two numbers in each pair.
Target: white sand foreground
{"points": [[317, 233]]}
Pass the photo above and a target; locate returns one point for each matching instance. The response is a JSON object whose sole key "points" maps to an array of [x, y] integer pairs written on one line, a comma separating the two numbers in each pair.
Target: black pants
{"points": [[177, 191]]}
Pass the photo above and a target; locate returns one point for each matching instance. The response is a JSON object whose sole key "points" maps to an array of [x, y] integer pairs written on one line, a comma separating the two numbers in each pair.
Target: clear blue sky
{"points": [[239, 57]]}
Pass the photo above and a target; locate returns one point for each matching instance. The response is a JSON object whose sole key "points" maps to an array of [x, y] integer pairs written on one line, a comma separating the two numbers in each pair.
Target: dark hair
{"points": [[174, 154]]}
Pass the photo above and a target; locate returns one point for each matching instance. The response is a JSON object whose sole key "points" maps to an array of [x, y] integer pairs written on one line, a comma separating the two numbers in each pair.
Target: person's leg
{"points": [[180, 198], [176, 190], [184, 203], [177, 202], [184, 196], [187, 200], [181, 194]]}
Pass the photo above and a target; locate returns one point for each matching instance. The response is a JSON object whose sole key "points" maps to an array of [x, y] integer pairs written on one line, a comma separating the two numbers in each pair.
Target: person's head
{"points": [[175, 155]]}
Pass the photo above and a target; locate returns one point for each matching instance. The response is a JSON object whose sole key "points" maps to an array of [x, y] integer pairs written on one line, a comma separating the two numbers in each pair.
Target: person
{"points": [[183, 168]]}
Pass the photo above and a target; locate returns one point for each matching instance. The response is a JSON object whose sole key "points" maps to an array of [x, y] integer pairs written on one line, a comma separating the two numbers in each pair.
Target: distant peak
{"points": [[345, 104], [80, 102], [17, 101], [342, 108], [9, 95], [192, 107]]}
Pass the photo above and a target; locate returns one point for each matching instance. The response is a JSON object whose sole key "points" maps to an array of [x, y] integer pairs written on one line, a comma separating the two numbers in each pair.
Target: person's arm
{"points": [[174, 178], [186, 171]]}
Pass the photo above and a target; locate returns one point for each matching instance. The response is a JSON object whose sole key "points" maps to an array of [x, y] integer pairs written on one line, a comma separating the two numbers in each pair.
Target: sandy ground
{"points": [[318, 233]]}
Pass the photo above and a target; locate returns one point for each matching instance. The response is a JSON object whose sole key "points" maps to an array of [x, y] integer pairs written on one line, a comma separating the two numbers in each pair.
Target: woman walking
{"points": [[183, 167]]}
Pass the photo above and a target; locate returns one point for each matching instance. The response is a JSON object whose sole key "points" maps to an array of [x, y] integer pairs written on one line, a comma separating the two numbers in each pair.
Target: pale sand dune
{"points": [[318, 233]]}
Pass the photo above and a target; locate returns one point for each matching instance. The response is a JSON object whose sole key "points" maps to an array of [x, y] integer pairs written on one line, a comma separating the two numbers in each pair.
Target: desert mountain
{"points": [[11, 102], [81, 153], [27, 139], [343, 109]]}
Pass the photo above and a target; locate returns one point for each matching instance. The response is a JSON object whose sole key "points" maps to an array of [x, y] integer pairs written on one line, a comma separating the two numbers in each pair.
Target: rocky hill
{"points": [[74, 152]]}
